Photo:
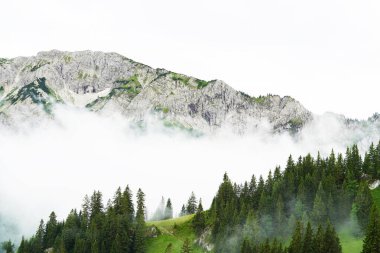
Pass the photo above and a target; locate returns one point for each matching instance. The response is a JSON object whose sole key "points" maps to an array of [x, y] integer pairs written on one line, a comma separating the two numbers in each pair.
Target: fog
{"points": [[51, 166]]}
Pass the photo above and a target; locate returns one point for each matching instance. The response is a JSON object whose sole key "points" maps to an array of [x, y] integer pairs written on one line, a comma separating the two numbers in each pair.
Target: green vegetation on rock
{"points": [[182, 78], [35, 67], [260, 100], [130, 87], [82, 75], [37, 91], [201, 83], [4, 61], [67, 58]]}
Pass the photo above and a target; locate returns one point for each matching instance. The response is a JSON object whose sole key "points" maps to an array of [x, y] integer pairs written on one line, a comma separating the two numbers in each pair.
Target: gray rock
{"points": [[106, 82]]}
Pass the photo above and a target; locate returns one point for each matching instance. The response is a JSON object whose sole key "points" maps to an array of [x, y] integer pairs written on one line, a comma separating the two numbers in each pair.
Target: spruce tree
{"points": [[318, 241], [8, 246], [186, 247], [296, 244], [168, 213], [191, 207], [331, 242], [139, 239], [50, 231], [372, 235], [363, 203], [319, 214], [199, 221], [307, 244], [183, 211]]}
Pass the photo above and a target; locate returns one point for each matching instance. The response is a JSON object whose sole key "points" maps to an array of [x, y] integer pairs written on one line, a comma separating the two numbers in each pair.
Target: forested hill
{"points": [[307, 207]]}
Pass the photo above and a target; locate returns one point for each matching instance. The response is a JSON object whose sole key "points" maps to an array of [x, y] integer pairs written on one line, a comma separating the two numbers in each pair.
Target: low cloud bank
{"points": [[52, 166]]}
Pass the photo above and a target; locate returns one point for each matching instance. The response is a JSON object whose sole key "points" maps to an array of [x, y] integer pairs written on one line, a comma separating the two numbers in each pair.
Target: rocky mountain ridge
{"points": [[103, 82]]}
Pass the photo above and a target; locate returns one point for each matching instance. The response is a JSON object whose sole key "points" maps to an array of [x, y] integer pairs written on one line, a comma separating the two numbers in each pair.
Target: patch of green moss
{"points": [[296, 123], [3, 61], [130, 86], [67, 59], [201, 83], [178, 77], [82, 75], [161, 109], [260, 100]]}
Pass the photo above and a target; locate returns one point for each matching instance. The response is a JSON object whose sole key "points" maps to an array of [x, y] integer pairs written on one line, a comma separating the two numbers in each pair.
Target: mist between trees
{"points": [[308, 201]]}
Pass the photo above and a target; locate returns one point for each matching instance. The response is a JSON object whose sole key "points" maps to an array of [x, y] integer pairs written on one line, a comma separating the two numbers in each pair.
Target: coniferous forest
{"points": [[298, 209]]}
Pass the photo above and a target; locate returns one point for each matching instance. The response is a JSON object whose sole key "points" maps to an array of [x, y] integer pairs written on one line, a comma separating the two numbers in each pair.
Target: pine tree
{"points": [[96, 204], [199, 221], [319, 214], [183, 211], [139, 239], [363, 203], [85, 219], [307, 244], [186, 248], [296, 243], [318, 241], [191, 207], [331, 242], [127, 205], [22, 247], [39, 238], [168, 213], [8, 246], [50, 231], [372, 235]]}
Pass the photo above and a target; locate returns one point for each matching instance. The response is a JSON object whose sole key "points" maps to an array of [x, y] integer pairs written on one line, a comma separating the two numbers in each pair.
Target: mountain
{"points": [[104, 82]]}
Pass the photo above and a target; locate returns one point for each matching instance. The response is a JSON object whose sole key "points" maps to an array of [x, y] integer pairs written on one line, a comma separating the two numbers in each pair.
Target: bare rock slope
{"points": [[104, 82]]}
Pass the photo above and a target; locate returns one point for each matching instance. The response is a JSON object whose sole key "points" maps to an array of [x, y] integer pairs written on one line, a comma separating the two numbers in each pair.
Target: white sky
{"points": [[324, 53]]}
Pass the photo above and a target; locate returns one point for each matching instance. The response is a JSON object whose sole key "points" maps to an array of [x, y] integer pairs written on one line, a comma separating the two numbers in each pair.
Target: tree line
{"points": [[116, 228], [313, 190]]}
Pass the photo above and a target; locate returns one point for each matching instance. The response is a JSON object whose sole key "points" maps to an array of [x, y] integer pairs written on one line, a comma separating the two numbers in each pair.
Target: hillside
{"points": [[174, 231]]}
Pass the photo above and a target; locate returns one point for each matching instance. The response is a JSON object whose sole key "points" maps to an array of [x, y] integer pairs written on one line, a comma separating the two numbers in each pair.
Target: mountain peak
{"points": [[105, 82]]}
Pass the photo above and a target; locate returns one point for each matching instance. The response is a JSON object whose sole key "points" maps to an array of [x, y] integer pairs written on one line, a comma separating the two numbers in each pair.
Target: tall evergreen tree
{"points": [[199, 220], [168, 213], [50, 231], [8, 246], [183, 211], [191, 206], [363, 202], [319, 214], [331, 242], [318, 241], [372, 235], [186, 247], [296, 244], [139, 239], [307, 244]]}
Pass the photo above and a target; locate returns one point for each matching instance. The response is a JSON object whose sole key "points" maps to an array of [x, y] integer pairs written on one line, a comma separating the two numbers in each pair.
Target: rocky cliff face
{"points": [[104, 82]]}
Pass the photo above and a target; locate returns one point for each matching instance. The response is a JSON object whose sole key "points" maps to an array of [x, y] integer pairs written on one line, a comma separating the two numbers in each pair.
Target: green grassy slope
{"points": [[174, 231], [350, 244]]}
